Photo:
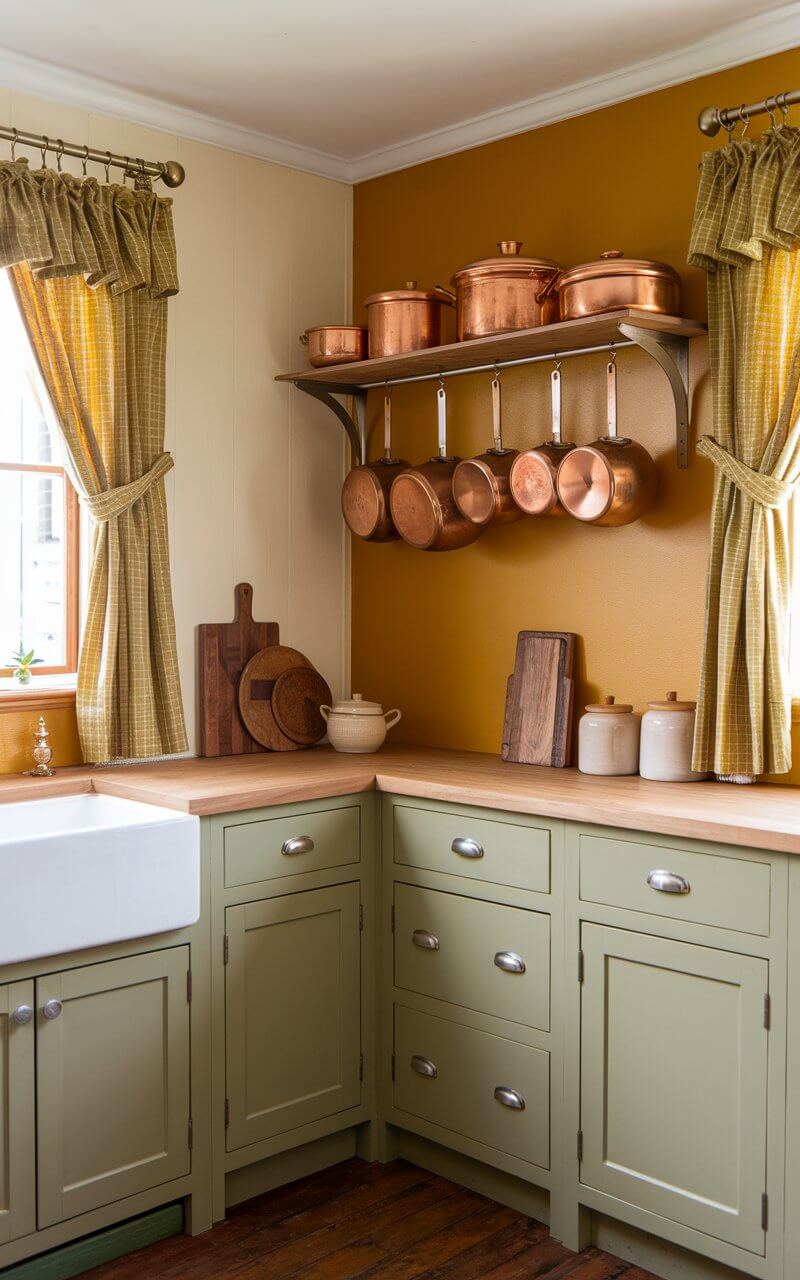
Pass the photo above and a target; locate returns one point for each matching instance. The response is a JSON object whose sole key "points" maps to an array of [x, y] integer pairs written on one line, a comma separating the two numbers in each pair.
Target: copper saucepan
{"points": [[480, 485], [421, 499], [612, 481], [533, 473], [335, 344], [365, 493]]}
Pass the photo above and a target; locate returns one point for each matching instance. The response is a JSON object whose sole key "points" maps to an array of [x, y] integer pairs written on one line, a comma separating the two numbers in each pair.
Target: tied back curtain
{"points": [[92, 267], [745, 235]]}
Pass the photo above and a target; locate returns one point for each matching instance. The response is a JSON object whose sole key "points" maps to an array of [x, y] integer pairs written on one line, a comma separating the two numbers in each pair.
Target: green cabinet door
{"points": [[17, 1112], [292, 1011], [674, 1081], [112, 1081]]}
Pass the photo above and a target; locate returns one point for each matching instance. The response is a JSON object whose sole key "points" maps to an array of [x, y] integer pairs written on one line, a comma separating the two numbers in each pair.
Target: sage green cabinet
{"points": [[293, 1020], [674, 1081], [17, 1112], [112, 1081]]}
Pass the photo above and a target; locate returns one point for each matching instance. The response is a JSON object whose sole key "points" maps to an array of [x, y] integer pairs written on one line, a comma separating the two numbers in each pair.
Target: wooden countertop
{"points": [[764, 816]]}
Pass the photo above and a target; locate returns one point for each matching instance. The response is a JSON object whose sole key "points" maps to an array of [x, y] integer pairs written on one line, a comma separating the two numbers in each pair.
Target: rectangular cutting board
{"points": [[538, 718], [224, 649]]}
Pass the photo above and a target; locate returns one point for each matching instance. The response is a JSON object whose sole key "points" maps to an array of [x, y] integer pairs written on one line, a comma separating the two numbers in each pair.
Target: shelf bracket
{"points": [[355, 426], [672, 353]]}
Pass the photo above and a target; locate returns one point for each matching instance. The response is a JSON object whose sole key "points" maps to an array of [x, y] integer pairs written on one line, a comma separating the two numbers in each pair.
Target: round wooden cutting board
{"points": [[255, 694], [296, 699]]}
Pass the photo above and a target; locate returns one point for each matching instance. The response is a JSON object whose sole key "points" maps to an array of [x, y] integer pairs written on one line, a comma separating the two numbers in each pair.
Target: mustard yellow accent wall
{"points": [[435, 634]]}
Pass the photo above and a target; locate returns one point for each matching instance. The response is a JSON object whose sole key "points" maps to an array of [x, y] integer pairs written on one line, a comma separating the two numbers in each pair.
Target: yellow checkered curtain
{"points": [[745, 235], [93, 266]]}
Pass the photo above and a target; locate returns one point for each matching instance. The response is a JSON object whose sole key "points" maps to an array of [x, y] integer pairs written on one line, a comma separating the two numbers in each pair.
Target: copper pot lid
{"points": [[356, 706], [671, 703], [614, 263], [410, 293], [508, 264], [610, 705]]}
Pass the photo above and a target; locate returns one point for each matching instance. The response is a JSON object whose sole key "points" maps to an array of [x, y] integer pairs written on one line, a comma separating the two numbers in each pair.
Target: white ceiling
{"points": [[353, 87]]}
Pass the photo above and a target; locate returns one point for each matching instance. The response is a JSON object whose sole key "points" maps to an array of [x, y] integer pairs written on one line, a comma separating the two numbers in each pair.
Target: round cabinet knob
{"points": [[22, 1015], [52, 1009]]}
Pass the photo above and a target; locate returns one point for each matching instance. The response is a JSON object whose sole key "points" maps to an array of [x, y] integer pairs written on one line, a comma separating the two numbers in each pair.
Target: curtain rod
{"points": [[712, 119], [171, 173]]}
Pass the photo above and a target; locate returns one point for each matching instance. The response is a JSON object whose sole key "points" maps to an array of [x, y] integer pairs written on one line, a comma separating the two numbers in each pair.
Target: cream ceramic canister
{"points": [[667, 736], [355, 725], [608, 739]]}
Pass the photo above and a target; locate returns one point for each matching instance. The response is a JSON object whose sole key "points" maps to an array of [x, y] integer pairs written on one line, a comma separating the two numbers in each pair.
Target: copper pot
{"points": [[612, 481], [498, 295], [335, 343], [365, 493], [405, 319], [615, 282], [533, 473], [480, 485], [422, 503]]}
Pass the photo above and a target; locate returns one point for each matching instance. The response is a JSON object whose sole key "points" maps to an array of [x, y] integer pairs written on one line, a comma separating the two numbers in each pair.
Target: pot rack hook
{"points": [[45, 144], [557, 361], [85, 159], [612, 351], [441, 382], [387, 389], [14, 136]]}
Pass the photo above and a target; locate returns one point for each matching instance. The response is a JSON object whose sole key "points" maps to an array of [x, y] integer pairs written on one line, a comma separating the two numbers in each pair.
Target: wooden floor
{"points": [[394, 1221]]}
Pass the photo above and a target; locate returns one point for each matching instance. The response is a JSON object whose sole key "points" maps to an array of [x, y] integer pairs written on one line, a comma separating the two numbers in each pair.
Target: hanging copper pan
{"points": [[612, 481], [421, 499], [365, 494], [480, 485], [533, 473]]}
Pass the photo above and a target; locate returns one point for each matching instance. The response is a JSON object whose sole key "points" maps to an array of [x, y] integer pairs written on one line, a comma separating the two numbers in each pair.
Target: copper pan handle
{"points": [[611, 399], [441, 408], [304, 339], [555, 404], [387, 425], [448, 297], [550, 287], [497, 426]]}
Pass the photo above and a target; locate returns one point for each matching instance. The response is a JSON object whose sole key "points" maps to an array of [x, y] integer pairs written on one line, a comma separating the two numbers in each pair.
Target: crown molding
{"points": [[745, 41]]}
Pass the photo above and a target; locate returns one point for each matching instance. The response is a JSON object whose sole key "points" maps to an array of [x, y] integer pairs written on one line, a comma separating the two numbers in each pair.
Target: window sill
{"points": [[43, 691]]}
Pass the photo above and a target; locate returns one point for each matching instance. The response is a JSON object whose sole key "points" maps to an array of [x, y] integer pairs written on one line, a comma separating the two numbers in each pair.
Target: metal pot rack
{"points": [[664, 338]]}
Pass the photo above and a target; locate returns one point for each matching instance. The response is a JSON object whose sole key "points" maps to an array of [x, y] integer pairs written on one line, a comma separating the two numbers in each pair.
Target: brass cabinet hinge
{"points": [[393, 1065], [767, 1011], [392, 917], [580, 966], [226, 949], [361, 916], [764, 1211], [191, 1133], [189, 985], [361, 1066], [227, 1112], [580, 1145]]}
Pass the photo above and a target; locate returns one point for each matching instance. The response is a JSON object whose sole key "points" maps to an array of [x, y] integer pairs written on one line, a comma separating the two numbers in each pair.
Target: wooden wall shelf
{"points": [[664, 338]]}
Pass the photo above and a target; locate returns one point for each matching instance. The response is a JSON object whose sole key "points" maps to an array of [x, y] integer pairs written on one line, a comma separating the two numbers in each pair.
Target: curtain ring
{"points": [[44, 148], [15, 135], [85, 158], [107, 163], [60, 143]]}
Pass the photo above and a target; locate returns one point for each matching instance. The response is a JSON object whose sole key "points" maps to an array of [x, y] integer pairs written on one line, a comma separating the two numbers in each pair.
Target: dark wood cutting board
{"points": [[224, 649], [539, 696]]}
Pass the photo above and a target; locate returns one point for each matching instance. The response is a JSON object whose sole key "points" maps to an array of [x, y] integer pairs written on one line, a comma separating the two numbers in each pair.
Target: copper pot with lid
{"points": [[481, 485], [408, 319], [534, 471], [365, 493], [421, 499], [499, 295], [611, 481], [614, 283]]}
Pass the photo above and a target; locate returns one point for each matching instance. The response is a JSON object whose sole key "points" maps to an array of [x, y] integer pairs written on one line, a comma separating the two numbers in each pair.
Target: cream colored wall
{"points": [[263, 252]]}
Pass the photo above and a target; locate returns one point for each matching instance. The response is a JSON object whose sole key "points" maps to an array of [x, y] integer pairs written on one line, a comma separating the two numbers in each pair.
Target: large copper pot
{"points": [[422, 503], [499, 295], [481, 485], [534, 471], [407, 319], [612, 481], [365, 493], [335, 344], [615, 282]]}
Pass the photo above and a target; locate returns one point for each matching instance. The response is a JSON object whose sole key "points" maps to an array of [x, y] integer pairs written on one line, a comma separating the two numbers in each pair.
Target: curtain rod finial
{"points": [[173, 174], [708, 122]]}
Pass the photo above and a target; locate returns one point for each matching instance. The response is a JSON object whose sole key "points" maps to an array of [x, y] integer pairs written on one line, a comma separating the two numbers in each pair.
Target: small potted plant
{"points": [[21, 663]]}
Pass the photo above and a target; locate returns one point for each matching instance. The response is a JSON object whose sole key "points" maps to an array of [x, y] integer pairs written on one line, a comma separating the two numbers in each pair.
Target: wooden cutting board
{"points": [[256, 689], [224, 649], [539, 696]]}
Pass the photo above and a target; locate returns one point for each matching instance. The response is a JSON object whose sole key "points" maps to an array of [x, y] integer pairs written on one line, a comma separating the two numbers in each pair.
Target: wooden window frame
{"points": [[71, 563]]}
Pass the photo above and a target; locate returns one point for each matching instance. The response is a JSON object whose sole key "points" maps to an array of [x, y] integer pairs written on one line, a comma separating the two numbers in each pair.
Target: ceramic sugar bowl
{"points": [[667, 736], [355, 725], [608, 739]]}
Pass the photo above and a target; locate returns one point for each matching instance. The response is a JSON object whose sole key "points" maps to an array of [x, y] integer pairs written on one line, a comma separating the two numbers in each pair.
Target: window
{"points": [[39, 517]]}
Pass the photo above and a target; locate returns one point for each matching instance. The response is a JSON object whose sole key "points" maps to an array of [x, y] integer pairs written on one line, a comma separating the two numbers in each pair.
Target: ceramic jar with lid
{"points": [[355, 725], [608, 739], [667, 736]]}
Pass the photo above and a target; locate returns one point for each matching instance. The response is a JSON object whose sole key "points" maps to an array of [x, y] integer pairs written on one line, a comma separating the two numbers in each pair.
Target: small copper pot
{"points": [[422, 503], [480, 485], [335, 344], [533, 473], [615, 282], [365, 493], [612, 481], [498, 295], [407, 319]]}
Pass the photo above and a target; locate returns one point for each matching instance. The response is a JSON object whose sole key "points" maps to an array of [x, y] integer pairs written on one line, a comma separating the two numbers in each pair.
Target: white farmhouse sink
{"points": [[81, 871]]}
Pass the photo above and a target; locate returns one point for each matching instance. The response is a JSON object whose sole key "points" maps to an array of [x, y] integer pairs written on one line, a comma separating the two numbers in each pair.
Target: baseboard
{"points": [[659, 1256], [254, 1179], [104, 1246]]}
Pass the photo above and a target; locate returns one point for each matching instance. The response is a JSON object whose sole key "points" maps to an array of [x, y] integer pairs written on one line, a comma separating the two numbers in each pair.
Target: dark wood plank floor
{"points": [[362, 1220]]}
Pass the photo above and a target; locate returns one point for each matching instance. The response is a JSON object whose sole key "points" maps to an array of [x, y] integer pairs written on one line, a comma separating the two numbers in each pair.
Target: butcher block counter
{"points": [[762, 816]]}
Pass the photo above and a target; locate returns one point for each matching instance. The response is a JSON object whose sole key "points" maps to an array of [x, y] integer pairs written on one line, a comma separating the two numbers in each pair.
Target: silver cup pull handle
{"points": [[424, 1066], [509, 962], [52, 1009], [467, 847], [425, 939], [668, 882], [22, 1014], [297, 844], [509, 1098]]}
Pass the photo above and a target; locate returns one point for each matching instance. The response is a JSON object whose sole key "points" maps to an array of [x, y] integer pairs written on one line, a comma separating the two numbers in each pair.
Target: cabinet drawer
{"points": [[468, 952], [728, 893], [454, 1076], [291, 846], [477, 848]]}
